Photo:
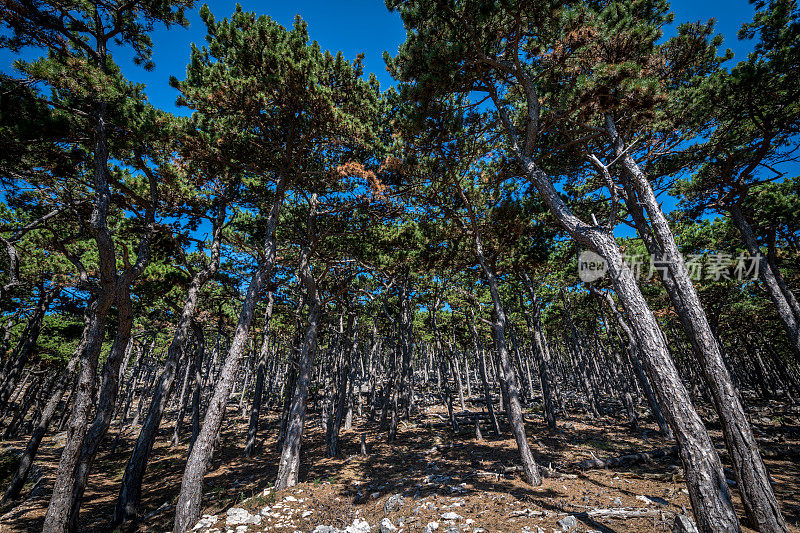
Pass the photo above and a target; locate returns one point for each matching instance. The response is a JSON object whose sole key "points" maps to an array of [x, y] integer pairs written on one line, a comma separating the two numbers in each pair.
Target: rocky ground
{"points": [[428, 480]]}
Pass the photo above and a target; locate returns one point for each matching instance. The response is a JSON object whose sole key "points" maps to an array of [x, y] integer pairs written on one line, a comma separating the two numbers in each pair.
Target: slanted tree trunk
{"points": [[27, 343], [784, 300], [404, 328], [759, 500], [289, 463], [514, 408], [188, 504], [258, 392], [341, 386], [109, 383], [184, 398], [534, 324], [708, 490], [666, 431], [28, 392], [128, 501], [57, 518], [200, 348], [8, 326], [109, 387], [28, 456], [477, 345]]}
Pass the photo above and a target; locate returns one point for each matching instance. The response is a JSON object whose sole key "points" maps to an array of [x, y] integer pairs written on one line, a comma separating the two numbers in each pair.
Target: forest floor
{"points": [[435, 470]]}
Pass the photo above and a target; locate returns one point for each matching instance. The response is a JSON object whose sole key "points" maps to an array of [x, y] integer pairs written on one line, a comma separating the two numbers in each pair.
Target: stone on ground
{"points": [[567, 523], [386, 526]]}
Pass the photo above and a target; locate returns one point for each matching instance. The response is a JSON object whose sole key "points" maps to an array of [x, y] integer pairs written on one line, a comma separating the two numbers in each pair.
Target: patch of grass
{"points": [[600, 445], [261, 500]]}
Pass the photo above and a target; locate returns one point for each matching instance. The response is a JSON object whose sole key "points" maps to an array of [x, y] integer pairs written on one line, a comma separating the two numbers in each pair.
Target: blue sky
{"points": [[353, 26]]}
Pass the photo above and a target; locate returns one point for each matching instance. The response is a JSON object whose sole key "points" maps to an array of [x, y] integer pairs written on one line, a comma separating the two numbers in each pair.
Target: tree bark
{"points": [[289, 463], [188, 504], [27, 342], [542, 354], [258, 393], [129, 498], [708, 490], [31, 449], [759, 500], [479, 351], [771, 278]]}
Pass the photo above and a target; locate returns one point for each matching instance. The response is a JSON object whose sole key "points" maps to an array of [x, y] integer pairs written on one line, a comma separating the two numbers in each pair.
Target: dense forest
{"points": [[558, 255]]}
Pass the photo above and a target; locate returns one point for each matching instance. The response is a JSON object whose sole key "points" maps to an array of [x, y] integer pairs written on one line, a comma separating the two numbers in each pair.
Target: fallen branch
{"points": [[621, 513], [626, 460]]}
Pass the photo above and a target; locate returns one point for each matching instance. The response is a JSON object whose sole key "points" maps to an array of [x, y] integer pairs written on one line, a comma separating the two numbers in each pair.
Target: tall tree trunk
{"points": [[513, 407], [759, 500], [183, 399], [258, 393], [477, 345], [666, 431], [57, 517], [107, 401], [708, 490], [31, 449], [289, 463], [772, 280], [188, 505], [404, 327], [542, 353], [200, 348], [27, 343], [341, 386]]}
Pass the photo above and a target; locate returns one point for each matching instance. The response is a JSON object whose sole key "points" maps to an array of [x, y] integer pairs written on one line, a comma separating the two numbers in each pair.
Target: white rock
{"points": [[386, 526], [358, 526], [567, 523], [237, 516], [644, 499], [451, 516], [431, 526], [290, 499], [307, 513], [241, 529], [326, 529], [207, 520]]}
